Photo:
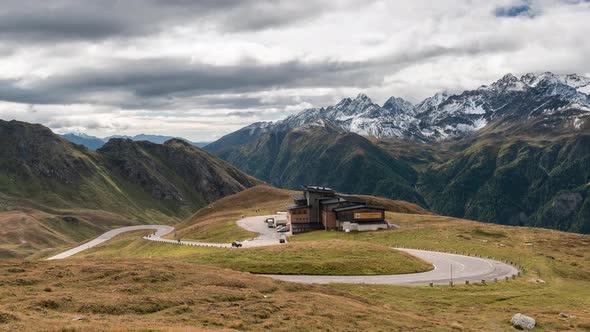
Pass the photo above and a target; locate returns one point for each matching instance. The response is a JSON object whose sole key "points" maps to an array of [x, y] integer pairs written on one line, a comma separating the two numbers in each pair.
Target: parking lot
{"points": [[267, 236]]}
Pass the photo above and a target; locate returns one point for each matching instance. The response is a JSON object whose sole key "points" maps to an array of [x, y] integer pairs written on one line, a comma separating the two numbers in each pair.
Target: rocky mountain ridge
{"points": [[94, 143], [446, 115], [137, 179]]}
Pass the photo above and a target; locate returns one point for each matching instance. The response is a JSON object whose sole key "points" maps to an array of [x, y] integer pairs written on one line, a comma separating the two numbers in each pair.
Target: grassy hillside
{"points": [[139, 182], [557, 278], [515, 181], [332, 257], [323, 155], [91, 295], [418, 155], [23, 233], [216, 222]]}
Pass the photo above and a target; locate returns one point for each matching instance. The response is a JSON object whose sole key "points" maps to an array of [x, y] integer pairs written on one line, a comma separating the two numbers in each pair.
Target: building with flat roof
{"points": [[321, 208]]}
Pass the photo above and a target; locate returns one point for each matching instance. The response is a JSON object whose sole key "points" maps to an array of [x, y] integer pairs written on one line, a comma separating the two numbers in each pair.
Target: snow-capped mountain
{"points": [[506, 100], [360, 115], [554, 100]]}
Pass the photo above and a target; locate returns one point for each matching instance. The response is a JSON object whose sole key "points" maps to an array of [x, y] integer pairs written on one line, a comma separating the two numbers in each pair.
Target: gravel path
{"points": [[447, 267]]}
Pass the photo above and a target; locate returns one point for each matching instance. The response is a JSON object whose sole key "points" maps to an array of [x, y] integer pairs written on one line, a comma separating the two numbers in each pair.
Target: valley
{"points": [[71, 193], [513, 152]]}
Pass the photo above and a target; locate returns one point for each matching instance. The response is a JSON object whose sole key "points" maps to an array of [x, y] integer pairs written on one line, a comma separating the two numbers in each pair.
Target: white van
{"points": [[279, 221]]}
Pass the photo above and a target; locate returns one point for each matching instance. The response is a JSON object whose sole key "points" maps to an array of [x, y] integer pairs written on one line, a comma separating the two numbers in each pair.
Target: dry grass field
{"points": [[557, 278], [148, 295], [167, 287], [29, 231]]}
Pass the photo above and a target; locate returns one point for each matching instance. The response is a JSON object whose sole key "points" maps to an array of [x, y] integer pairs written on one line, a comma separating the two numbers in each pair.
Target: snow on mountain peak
{"points": [[447, 115], [573, 80], [363, 97], [432, 102], [398, 105]]}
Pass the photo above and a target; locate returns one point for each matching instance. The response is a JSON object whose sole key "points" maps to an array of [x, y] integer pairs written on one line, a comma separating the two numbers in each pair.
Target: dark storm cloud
{"points": [[174, 78], [159, 83], [78, 20]]}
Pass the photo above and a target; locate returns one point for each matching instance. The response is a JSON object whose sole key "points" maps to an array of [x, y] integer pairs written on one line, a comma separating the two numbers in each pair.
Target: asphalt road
{"points": [[447, 267], [160, 231], [473, 269], [266, 236]]}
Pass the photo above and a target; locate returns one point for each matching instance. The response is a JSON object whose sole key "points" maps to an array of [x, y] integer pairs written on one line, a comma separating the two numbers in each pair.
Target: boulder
{"points": [[523, 322]]}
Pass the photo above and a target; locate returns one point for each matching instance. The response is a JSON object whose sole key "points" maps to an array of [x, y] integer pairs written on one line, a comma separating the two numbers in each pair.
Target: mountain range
{"points": [[66, 193], [543, 97], [512, 152], [94, 143]]}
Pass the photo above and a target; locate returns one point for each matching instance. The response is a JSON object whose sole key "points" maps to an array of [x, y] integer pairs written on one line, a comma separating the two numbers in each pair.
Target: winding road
{"points": [[447, 267], [160, 231]]}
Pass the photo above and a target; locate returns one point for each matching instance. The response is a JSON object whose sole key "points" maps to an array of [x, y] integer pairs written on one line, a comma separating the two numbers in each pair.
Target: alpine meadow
{"points": [[316, 165]]}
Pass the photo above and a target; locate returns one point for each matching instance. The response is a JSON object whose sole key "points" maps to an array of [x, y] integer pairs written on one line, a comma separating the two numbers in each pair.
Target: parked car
{"points": [[282, 229], [270, 222], [236, 244], [281, 240]]}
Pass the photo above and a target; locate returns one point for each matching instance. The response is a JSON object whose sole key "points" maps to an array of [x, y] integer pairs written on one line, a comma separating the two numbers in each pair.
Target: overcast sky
{"points": [[201, 69]]}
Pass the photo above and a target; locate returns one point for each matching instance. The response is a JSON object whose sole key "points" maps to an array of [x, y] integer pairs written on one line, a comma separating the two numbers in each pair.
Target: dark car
{"points": [[236, 244], [281, 240]]}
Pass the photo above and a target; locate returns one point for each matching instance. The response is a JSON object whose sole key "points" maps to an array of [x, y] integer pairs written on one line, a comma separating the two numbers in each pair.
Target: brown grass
{"points": [[561, 260], [28, 231], [151, 294]]}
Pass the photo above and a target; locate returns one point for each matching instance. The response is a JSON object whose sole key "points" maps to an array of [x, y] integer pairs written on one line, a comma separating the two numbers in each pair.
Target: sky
{"points": [[202, 69]]}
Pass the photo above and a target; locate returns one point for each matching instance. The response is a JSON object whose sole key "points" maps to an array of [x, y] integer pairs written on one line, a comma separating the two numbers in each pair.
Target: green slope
{"points": [[143, 180], [140, 182], [515, 181], [325, 156]]}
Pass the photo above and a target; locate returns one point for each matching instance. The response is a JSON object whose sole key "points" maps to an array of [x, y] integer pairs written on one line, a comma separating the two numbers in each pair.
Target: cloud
{"points": [[163, 78], [207, 67], [86, 20], [165, 82], [243, 114]]}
